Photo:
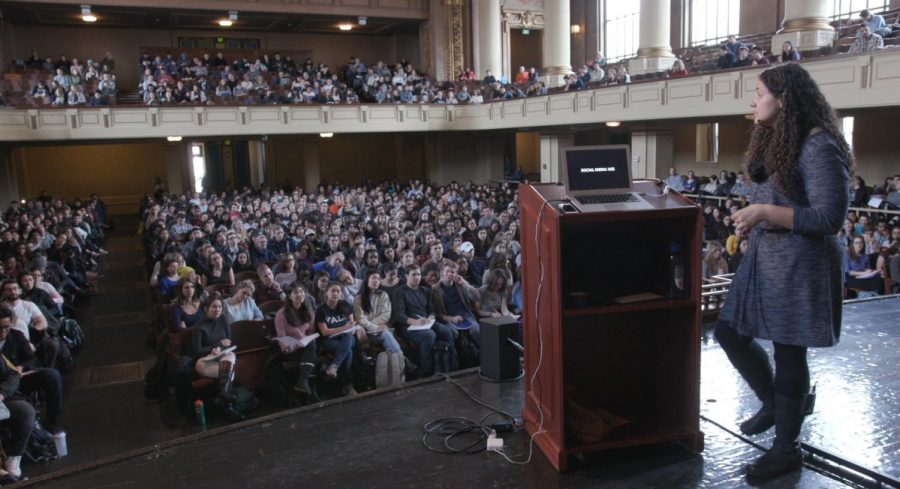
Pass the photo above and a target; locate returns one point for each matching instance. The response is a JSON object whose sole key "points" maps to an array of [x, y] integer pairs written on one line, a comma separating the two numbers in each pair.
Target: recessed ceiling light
{"points": [[326, 134], [173, 139], [345, 27], [613, 124], [86, 14], [232, 18]]}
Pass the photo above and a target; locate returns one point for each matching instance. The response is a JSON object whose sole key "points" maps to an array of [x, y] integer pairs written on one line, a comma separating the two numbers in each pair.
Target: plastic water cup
{"points": [[59, 439]]}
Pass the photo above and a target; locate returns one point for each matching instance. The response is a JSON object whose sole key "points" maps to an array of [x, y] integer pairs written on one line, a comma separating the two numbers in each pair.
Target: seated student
{"points": [[19, 424], [373, 308], [331, 265], [241, 306], [242, 262], [726, 58], [335, 323], [674, 180], [875, 23], [713, 262], [788, 53], [295, 320], [866, 42], [734, 260], [167, 278], [287, 271], [217, 273], [690, 183], [412, 306], [455, 300], [28, 317], [212, 335], [757, 57], [743, 58], [350, 286], [269, 289], [494, 295], [858, 272], [18, 352], [186, 311], [678, 69]]}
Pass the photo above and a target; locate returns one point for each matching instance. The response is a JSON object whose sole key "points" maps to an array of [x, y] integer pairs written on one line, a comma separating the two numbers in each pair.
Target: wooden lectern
{"points": [[609, 375]]}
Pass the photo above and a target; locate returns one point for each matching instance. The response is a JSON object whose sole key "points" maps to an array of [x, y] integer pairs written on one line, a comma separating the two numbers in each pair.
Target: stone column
{"points": [[654, 51], [552, 147], [489, 38], [556, 42], [806, 26]]}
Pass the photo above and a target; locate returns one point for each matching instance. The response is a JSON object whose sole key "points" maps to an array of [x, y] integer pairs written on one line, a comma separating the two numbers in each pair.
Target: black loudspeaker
{"points": [[499, 358]]}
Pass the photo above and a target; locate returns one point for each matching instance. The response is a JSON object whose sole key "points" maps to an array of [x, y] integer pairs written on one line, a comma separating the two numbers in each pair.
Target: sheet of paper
{"points": [[428, 324]]}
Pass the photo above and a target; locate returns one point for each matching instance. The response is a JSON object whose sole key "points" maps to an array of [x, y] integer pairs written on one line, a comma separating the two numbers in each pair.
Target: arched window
{"points": [[712, 21]]}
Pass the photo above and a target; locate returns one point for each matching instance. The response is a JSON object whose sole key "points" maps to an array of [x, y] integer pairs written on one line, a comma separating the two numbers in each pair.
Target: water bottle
{"points": [[675, 282], [200, 413]]}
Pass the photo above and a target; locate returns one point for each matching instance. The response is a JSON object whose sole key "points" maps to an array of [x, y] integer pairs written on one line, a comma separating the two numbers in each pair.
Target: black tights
{"points": [[752, 361]]}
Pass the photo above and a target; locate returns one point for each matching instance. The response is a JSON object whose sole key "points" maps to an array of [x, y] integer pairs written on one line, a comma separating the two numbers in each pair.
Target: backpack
{"points": [[40, 446], [244, 400], [469, 355], [71, 333], [275, 384], [65, 361], [389, 369], [444, 357]]}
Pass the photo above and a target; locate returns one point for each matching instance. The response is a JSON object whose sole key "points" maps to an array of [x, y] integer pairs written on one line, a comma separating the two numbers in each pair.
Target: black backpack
{"points": [[469, 355], [71, 333], [444, 357]]}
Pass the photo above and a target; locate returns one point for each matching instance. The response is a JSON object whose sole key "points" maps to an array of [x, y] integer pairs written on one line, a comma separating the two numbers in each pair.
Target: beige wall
{"points": [[758, 16], [110, 170], [733, 137], [94, 41], [874, 136]]}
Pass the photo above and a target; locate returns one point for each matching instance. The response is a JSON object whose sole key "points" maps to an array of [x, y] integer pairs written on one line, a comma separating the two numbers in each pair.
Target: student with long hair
{"points": [[295, 320], [212, 336], [335, 322], [789, 286], [373, 311]]}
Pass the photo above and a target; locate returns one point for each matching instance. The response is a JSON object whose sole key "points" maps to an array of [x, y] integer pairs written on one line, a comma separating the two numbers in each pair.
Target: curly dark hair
{"points": [[775, 148]]}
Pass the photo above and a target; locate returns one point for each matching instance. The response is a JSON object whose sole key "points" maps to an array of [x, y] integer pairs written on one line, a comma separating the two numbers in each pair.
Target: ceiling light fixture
{"points": [[613, 124], [173, 139], [326, 134], [86, 14], [363, 20], [345, 27], [232, 18], [575, 29]]}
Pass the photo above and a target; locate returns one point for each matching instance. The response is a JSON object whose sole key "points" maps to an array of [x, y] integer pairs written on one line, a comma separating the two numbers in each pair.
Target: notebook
{"points": [[598, 178]]}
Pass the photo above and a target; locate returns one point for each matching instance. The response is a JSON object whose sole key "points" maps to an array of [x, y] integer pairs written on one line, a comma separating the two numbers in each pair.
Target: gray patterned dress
{"points": [[788, 288]]}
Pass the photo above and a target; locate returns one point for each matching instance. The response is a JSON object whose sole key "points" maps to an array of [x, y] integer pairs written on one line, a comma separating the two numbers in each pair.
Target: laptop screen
{"points": [[598, 168]]}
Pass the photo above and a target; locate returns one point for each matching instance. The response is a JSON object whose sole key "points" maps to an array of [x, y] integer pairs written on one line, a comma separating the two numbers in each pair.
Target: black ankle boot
{"points": [[785, 455], [762, 420], [302, 385]]}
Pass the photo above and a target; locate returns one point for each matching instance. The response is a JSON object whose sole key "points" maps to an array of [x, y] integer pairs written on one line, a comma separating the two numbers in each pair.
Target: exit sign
{"points": [[525, 32]]}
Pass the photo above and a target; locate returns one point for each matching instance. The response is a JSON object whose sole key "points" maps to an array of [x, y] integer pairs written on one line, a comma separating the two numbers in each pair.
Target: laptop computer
{"points": [[598, 178]]}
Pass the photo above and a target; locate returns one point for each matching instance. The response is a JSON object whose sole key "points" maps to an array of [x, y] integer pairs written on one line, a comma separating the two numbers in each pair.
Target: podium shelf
{"points": [[658, 304], [633, 439]]}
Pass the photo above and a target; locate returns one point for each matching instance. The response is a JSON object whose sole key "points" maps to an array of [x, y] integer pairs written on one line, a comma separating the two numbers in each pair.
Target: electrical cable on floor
{"points": [[455, 427]]}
